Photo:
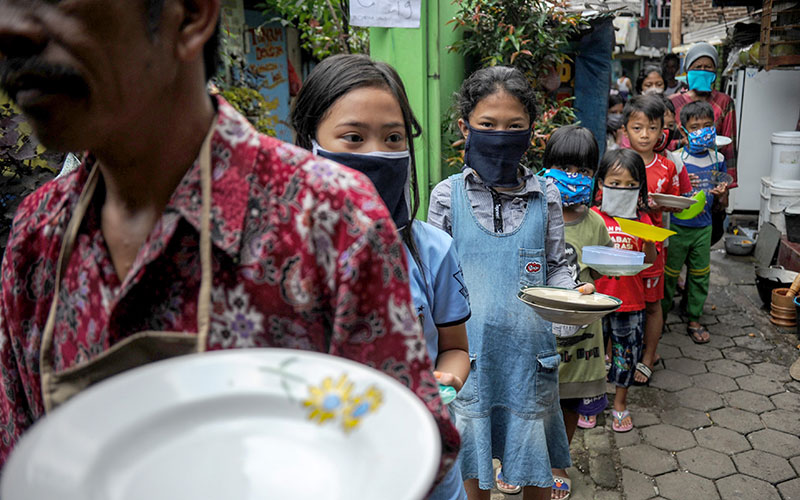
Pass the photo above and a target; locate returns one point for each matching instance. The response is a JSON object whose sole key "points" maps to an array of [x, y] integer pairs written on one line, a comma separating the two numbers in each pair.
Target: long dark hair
{"points": [[629, 160], [487, 81], [333, 78]]}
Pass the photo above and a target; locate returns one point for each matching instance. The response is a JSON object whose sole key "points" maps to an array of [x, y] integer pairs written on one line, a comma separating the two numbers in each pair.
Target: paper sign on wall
{"points": [[385, 13]]}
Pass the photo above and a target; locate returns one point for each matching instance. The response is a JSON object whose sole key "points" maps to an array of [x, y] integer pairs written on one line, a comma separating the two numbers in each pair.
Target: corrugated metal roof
{"points": [[717, 32], [602, 6]]}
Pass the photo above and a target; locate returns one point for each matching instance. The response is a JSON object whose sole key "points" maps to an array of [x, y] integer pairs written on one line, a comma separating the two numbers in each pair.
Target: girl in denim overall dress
{"points": [[509, 233]]}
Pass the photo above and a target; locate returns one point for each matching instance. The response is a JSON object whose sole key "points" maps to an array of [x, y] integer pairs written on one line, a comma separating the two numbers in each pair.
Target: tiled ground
{"points": [[719, 420]]}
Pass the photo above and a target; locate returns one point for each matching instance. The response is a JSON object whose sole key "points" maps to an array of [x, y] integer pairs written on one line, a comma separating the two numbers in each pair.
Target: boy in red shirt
{"points": [[643, 119]]}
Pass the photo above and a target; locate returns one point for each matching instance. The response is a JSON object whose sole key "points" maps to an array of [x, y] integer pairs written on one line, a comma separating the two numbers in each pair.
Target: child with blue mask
{"points": [[509, 233], [692, 243], [570, 159], [355, 111]]}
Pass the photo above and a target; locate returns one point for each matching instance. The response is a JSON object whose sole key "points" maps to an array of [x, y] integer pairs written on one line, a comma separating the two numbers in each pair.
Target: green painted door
{"points": [[431, 75]]}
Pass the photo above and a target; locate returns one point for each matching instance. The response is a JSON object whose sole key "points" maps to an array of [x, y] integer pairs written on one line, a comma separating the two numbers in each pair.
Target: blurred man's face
{"points": [[81, 70]]}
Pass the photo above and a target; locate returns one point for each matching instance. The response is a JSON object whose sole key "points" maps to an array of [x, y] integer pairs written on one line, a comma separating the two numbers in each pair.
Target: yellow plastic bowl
{"points": [[644, 231]]}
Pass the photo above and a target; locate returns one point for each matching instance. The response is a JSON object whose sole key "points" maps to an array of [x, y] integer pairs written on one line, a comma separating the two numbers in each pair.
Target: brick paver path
{"points": [[718, 421]]}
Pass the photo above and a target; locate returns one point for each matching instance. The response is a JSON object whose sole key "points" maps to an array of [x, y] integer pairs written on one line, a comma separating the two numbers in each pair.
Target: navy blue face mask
{"points": [[495, 154], [388, 171]]}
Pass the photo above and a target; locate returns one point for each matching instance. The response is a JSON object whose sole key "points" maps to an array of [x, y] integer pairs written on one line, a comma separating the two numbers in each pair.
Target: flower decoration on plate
{"points": [[331, 400], [360, 406]]}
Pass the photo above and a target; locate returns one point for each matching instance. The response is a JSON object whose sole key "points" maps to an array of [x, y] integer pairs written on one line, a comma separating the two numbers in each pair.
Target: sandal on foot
{"points": [[587, 422], [561, 483], [618, 417], [504, 487], [696, 334], [644, 370]]}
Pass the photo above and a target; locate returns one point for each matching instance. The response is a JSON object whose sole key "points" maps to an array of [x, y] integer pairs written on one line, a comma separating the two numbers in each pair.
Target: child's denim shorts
{"points": [[626, 330]]}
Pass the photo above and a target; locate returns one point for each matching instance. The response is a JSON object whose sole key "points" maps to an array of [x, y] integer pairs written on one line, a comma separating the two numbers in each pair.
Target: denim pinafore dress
{"points": [[508, 408]]}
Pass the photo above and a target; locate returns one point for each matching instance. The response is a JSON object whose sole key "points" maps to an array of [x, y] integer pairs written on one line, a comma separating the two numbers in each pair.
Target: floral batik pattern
{"points": [[304, 256]]}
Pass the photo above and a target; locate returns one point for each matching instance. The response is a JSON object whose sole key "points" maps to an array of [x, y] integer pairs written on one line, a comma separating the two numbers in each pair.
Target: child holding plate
{"points": [[692, 243], [570, 160], [643, 117], [509, 233], [622, 182]]}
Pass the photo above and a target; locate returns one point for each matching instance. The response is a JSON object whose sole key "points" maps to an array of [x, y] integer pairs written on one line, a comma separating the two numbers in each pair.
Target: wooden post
{"points": [[675, 20]]}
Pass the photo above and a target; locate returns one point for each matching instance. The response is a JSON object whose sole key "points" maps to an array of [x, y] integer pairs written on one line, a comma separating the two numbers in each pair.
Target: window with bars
{"points": [[658, 11]]}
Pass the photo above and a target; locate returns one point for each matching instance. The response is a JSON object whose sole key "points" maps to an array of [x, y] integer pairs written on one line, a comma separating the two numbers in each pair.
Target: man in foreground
{"points": [[183, 230]]}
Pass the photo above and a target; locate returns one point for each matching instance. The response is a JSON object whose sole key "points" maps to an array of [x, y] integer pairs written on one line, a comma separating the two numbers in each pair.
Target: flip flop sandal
{"points": [[617, 419], [584, 421], [695, 331], [504, 487], [561, 483], [644, 370]]}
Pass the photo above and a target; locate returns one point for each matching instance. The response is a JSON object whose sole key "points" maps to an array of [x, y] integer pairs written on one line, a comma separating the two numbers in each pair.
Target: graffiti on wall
{"points": [[267, 68]]}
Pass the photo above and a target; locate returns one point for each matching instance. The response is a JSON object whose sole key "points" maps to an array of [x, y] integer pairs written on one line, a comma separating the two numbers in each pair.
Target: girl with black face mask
{"points": [[355, 111], [509, 233]]}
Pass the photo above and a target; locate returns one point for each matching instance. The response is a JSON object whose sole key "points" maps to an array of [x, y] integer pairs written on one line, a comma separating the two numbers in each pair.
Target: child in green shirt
{"points": [[570, 160]]}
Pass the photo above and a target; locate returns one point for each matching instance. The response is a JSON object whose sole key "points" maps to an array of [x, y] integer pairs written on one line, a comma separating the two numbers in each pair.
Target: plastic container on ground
{"points": [[607, 255], [775, 197], [785, 163]]}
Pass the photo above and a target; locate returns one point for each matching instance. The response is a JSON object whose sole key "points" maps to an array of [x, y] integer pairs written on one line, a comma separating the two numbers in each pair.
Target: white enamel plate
{"points": [[566, 316], [241, 424], [672, 201], [569, 300]]}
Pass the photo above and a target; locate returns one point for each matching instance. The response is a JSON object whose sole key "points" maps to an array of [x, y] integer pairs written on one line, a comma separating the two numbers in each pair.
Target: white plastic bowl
{"points": [[608, 255]]}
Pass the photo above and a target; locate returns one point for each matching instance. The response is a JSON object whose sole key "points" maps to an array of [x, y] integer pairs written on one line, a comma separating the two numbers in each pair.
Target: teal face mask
{"points": [[700, 80]]}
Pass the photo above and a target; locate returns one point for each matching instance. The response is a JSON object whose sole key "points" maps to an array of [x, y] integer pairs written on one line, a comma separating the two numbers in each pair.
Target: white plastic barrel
{"points": [[785, 164], [775, 197]]}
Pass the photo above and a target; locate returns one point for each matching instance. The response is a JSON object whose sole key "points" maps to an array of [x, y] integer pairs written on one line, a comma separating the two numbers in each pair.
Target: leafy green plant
{"points": [[252, 105], [24, 166], [324, 25], [532, 35]]}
